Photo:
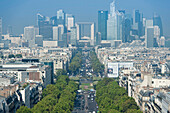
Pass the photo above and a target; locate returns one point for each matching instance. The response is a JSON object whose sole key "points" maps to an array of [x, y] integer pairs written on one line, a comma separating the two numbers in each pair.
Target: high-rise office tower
{"points": [[128, 24], [149, 40], [70, 21], [73, 38], [112, 23], [46, 30], [39, 40], [55, 33], [58, 31], [0, 28], [149, 33], [60, 17], [45, 27], [65, 39], [112, 9], [112, 28], [158, 22], [157, 34], [53, 20], [29, 35], [121, 26], [115, 24], [40, 18], [137, 23], [136, 17], [162, 41], [102, 24]]}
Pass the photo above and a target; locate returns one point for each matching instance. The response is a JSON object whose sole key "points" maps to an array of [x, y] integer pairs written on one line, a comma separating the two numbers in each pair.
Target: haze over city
{"points": [[20, 13]]}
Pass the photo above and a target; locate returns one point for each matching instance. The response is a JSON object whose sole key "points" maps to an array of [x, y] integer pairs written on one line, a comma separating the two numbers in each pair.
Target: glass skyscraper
{"points": [[102, 24], [158, 22], [45, 27], [128, 24], [149, 37], [46, 30], [40, 18], [138, 23], [120, 26]]}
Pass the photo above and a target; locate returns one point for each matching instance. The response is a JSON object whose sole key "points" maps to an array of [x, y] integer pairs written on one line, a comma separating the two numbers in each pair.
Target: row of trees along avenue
{"points": [[57, 98], [112, 98], [75, 64], [97, 66]]}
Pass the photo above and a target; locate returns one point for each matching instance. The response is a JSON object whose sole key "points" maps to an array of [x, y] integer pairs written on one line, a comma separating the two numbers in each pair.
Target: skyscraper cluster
{"points": [[119, 26], [57, 29], [115, 27]]}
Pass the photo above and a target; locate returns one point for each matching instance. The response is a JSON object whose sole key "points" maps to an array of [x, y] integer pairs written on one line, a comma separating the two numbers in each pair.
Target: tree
{"points": [[58, 97], [24, 109], [113, 98], [133, 111], [97, 66], [75, 63], [113, 111], [61, 72]]}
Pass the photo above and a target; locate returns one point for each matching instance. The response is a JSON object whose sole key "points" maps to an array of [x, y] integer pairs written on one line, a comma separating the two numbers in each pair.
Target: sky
{"points": [[21, 13]]}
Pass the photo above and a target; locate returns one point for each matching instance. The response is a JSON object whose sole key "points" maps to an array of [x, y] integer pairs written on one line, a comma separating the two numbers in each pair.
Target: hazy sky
{"points": [[20, 13]]}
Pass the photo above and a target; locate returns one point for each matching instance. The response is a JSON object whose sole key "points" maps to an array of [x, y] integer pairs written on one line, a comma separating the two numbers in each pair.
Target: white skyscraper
{"points": [[157, 34], [0, 27], [73, 39], [112, 23], [29, 34], [70, 21], [58, 32], [115, 24], [162, 41], [112, 9], [149, 34], [55, 33], [156, 31], [112, 28]]}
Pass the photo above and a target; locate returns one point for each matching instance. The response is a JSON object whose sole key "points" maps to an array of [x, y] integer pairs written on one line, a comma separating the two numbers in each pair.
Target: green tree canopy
{"points": [[112, 98]]}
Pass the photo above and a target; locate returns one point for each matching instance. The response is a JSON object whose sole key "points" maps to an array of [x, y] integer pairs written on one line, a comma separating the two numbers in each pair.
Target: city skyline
{"points": [[27, 16], [82, 56]]}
